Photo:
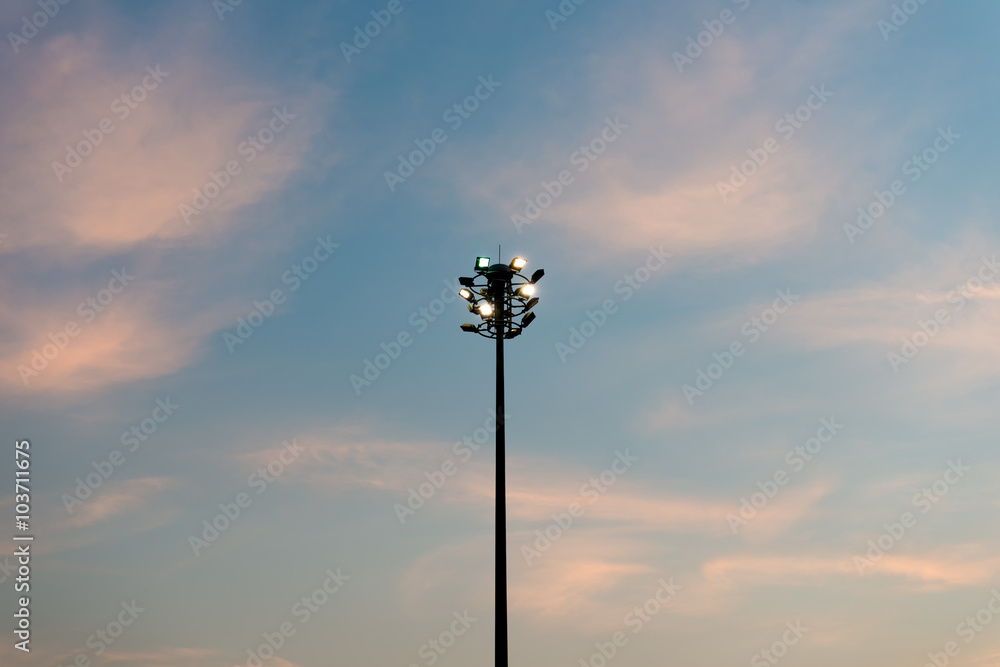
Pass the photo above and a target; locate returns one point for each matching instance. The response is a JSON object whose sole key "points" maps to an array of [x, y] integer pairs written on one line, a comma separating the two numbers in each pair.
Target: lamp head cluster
{"points": [[499, 290]]}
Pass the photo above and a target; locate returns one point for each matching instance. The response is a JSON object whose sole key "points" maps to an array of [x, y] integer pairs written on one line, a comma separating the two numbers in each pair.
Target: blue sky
{"points": [[190, 169]]}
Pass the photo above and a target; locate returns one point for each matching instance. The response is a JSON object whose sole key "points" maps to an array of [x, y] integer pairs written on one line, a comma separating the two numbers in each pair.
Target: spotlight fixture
{"points": [[504, 298]]}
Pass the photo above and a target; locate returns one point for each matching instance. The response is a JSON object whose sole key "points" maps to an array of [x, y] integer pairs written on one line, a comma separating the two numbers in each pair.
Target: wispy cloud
{"points": [[145, 137]]}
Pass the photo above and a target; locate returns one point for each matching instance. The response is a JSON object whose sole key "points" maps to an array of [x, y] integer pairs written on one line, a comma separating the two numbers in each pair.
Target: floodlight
{"points": [[504, 305]]}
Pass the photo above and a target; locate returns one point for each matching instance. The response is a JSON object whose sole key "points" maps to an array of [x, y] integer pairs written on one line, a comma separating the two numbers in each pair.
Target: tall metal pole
{"points": [[500, 318], [499, 293]]}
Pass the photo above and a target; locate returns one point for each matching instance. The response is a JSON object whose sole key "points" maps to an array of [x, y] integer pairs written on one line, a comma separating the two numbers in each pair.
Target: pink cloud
{"points": [[133, 338], [959, 566], [576, 587], [185, 119], [658, 183], [181, 657], [113, 510], [129, 188], [732, 571], [879, 316], [346, 457], [119, 498]]}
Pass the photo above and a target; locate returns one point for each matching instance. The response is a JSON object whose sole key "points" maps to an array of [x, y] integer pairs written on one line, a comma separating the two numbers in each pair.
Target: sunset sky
{"points": [[755, 421]]}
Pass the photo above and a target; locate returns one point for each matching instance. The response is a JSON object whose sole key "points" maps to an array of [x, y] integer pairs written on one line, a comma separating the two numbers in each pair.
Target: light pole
{"points": [[499, 301]]}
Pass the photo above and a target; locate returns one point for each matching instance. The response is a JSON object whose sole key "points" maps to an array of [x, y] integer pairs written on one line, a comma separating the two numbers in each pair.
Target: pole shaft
{"points": [[500, 315]]}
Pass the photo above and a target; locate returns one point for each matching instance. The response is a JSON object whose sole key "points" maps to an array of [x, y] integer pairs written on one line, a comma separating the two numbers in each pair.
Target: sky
{"points": [[753, 423]]}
